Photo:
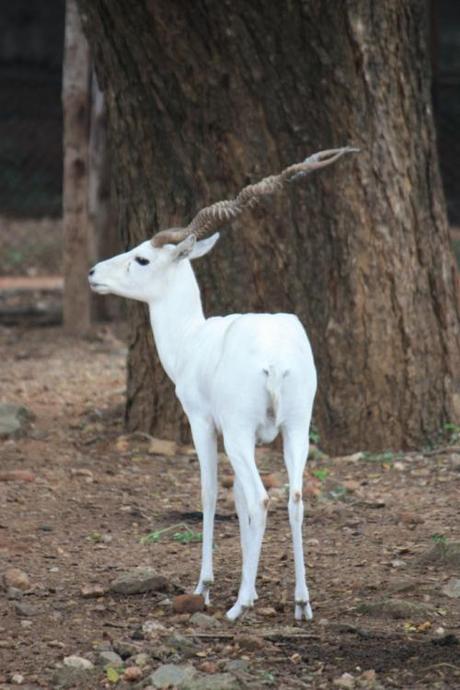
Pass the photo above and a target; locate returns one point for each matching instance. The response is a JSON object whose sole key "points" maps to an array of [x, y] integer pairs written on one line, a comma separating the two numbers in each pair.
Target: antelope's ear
{"points": [[184, 249], [202, 247]]}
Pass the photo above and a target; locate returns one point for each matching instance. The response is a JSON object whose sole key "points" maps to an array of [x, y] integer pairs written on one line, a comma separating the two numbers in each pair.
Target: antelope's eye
{"points": [[140, 260]]}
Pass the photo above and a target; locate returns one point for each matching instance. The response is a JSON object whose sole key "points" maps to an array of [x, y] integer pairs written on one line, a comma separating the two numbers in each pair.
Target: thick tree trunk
{"points": [[75, 99], [204, 97]]}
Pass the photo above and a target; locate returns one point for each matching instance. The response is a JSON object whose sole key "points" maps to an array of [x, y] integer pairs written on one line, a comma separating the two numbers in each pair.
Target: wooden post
{"points": [[75, 98]]}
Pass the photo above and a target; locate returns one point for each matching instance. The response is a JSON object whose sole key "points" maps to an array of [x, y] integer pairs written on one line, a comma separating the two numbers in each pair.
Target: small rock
{"points": [[217, 681], [236, 665], [452, 588], [354, 457], [158, 446], [267, 611], [132, 674], [455, 461], [14, 577], [138, 581], [227, 481], [172, 675], [69, 677], [249, 642], [345, 681], [79, 662], [368, 677], [208, 667], [397, 563], [110, 659], [202, 620], [125, 648], [271, 481], [141, 659], [395, 608], [152, 628], [26, 610], [17, 476], [409, 518], [92, 591], [13, 593], [188, 603], [443, 552], [183, 645], [17, 678], [14, 420]]}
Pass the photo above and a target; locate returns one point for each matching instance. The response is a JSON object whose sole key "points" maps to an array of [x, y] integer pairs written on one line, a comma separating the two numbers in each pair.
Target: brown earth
{"points": [[95, 493]]}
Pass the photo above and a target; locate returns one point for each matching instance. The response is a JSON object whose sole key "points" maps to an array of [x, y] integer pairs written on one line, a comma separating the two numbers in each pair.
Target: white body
{"points": [[247, 377]]}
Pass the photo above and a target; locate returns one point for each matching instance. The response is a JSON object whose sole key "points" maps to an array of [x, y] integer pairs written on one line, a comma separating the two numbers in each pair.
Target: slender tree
{"points": [[204, 97], [75, 99]]}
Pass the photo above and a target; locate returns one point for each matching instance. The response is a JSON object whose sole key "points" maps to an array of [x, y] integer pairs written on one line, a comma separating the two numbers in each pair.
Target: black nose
{"points": [[91, 272]]}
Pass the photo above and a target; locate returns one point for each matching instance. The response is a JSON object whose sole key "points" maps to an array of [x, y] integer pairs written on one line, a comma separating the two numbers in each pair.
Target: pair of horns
{"points": [[213, 217]]}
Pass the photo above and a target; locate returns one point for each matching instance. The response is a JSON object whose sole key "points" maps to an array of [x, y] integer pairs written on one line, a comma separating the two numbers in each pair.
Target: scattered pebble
{"points": [[345, 681], [202, 620], [132, 674], [26, 610], [92, 591], [249, 642], [108, 658], [16, 578], [188, 603], [79, 662]]}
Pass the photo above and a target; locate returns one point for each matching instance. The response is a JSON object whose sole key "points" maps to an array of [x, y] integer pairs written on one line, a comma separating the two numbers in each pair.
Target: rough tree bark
{"points": [[104, 238], [75, 100], [204, 97]]}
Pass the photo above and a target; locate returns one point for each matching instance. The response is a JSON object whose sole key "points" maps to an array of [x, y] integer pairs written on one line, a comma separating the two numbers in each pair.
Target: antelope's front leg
{"points": [[204, 438]]}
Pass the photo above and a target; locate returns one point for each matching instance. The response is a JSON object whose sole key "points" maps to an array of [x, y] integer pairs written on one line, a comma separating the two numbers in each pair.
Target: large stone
{"points": [[69, 677], [174, 675], [138, 581], [216, 681], [185, 677], [452, 588], [14, 420], [395, 608], [110, 659]]}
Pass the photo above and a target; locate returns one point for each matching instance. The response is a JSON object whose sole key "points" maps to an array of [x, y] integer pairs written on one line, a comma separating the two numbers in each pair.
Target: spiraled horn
{"points": [[220, 213]]}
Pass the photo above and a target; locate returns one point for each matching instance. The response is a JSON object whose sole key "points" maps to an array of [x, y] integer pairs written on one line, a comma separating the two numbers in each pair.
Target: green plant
{"points": [[321, 474], [184, 536], [386, 457], [439, 538], [187, 537]]}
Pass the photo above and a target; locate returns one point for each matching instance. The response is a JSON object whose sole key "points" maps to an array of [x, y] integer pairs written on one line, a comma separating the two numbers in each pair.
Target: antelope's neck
{"points": [[175, 318]]}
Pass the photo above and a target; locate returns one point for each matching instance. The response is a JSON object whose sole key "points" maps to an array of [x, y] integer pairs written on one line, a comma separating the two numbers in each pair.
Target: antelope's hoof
{"points": [[303, 611]]}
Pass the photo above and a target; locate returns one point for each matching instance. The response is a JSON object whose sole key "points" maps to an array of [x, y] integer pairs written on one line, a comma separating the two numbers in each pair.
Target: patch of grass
{"points": [[188, 536], [321, 474], [184, 535], [338, 493], [385, 458], [439, 538]]}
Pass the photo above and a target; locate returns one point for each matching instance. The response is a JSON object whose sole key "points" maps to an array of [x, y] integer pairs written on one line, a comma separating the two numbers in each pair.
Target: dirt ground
{"points": [[76, 516]]}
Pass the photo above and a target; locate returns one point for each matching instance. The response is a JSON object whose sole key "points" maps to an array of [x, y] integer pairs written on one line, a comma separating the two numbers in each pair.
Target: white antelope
{"points": [[245, 376]]}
